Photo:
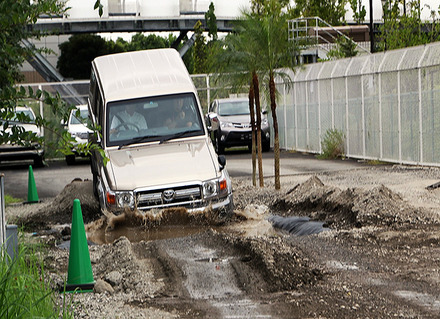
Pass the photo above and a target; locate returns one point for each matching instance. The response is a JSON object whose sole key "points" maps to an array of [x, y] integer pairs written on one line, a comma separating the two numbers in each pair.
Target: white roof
{"points": [[142, 73]]}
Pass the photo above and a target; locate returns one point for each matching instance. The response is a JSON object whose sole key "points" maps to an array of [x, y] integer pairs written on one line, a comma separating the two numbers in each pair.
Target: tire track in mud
{"points": [[210, 277]]}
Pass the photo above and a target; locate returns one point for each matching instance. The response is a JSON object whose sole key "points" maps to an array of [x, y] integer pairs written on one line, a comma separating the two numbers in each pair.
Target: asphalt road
{"points": [[51, 179]]}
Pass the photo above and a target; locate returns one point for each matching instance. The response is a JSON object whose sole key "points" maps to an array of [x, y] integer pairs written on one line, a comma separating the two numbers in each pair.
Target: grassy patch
{"points": [[11, 200], [24, 289]]}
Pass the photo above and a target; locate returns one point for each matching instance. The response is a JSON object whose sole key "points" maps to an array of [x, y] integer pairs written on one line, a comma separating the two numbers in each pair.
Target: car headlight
{"points": [[215, 187], [226, 124], [120, 199]]}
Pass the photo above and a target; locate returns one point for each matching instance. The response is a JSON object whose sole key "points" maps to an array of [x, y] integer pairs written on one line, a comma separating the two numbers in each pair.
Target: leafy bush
{"points": [[332, 144]]}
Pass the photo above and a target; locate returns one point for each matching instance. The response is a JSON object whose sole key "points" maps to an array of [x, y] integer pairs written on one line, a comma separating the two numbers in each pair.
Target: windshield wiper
{"points": [[174, 136], [135, 140]]}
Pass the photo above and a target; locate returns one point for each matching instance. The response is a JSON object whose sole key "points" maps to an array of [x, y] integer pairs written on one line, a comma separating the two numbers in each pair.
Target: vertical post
{"points": [[208, 91], [399, 105], [41, 110], [419, 71], [2, 214], [371, 28], [285, 115]]}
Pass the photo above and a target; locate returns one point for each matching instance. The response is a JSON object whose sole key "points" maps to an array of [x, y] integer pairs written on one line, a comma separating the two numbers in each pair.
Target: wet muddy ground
{"points": [[363, 243]]}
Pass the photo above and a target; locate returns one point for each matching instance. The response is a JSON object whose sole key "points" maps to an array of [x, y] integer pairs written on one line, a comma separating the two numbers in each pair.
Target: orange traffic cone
{"points": [[80, 274]]}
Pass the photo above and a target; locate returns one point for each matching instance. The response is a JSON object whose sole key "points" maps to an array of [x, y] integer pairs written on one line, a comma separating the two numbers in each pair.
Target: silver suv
{"points": [[230, 123]]}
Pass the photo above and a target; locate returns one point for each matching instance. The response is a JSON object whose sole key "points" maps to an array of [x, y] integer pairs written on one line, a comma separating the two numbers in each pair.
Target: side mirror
{"points": [[222, 161]]}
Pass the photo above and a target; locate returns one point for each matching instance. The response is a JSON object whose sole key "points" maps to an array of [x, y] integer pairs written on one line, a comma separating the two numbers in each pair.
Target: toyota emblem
{"points": [[168, 195]]}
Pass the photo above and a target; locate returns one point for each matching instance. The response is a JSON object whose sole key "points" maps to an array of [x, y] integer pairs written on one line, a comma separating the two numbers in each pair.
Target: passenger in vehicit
{"points": [[183, 114], [128, 119]]}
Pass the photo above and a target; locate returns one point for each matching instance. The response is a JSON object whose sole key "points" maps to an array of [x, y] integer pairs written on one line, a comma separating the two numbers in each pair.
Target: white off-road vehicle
{"points": [[157, 151]]}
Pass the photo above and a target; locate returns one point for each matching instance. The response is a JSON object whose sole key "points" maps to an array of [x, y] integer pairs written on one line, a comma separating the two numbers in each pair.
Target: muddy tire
{"points": [[39, 161], [70, 159]]}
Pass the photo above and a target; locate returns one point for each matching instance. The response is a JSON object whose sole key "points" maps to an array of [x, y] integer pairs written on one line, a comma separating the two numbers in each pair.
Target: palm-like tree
{"points": [[240, 59], [269, 38]]}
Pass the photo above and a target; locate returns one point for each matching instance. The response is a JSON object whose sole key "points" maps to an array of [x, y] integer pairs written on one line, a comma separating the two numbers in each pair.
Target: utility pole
{"points": [[371, 27]]}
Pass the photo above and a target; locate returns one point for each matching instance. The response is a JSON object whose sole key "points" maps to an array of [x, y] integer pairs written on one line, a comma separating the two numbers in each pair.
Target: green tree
{"points": [[260, 45], [240, 61], [275, 52], [77, 54], [331, 11], [200, 49], [15, 16], [152, 41], [211, 22], [345, 48], [359, 11], [404, 30]]}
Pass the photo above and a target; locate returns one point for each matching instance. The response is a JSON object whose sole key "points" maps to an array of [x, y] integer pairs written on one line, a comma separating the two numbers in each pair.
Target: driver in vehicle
{"points": [[128, 119]]}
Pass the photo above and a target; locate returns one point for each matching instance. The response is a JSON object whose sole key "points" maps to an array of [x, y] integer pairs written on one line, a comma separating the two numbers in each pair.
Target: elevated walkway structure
{"points": [[315, 37]]}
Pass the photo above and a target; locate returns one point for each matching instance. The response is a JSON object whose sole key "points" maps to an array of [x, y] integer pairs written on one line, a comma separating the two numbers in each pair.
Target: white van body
{"points": [[153, 135]]}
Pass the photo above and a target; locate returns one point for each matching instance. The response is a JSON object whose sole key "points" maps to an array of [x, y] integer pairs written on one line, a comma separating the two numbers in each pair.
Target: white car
{"points": [[22, 150], [77, 127]]}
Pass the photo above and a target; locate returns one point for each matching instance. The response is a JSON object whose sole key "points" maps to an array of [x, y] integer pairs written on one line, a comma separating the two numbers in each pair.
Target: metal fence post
{"points": [[2, 213]]}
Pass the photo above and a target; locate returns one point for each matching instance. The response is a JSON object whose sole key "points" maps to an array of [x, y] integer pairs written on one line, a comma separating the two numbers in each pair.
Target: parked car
{"points": [[230, 123], [77, 127], [22, 150]]}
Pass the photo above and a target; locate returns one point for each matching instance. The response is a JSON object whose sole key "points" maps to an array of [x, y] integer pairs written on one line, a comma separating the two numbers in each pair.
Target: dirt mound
{"points": [[344, 209], [59, 210], [282, 266]]}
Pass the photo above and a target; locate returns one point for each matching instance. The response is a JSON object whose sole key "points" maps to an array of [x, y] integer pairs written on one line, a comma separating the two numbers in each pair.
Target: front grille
{"points": [[184, 196]]}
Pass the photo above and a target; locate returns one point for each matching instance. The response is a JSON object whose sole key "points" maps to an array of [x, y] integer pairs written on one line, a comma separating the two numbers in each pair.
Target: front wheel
{"points": [[70, 159], [39, 161]]}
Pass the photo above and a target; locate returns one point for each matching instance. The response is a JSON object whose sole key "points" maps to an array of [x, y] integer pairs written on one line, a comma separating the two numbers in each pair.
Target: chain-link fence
{"points": [[387, 105]]}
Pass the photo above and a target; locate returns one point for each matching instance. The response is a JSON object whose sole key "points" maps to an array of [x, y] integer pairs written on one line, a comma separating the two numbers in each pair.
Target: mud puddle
{"points": [[137, 234], [169, 224], [150, 226], [299, 226]]}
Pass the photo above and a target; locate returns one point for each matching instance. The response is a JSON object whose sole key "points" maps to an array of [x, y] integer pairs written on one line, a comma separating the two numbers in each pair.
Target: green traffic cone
{"points": [[32, 188], [80, 274]]}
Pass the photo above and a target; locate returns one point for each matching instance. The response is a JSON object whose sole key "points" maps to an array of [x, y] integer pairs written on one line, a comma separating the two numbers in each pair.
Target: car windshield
{"points": [[233, 108], [151, 119], [84, 114], [28, 113]]}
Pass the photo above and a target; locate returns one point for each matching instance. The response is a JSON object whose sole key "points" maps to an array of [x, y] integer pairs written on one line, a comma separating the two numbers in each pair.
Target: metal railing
{"points": [[313, 32]]}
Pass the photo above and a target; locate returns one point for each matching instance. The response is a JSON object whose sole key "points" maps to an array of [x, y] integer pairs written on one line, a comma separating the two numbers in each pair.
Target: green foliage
{"points": [[11, 200], [211, 22], [200, 50], [401, 30], [24, 290], [15, 15], [141, 42], [77, 54], [332, 144], [359, 11], [331, 11], [345, 48]]}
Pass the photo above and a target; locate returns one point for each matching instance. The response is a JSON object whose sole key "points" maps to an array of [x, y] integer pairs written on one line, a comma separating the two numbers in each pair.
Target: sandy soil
{"points": [[375, 252]]}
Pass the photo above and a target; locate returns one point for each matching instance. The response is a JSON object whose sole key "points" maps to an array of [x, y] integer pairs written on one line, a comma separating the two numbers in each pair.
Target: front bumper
{"points": [[234, 137]]}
